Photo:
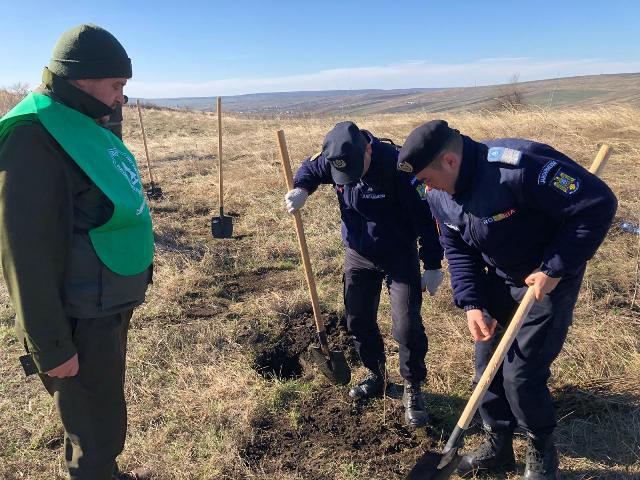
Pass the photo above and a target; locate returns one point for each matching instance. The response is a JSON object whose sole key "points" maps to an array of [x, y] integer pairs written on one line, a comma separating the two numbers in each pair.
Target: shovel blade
{"points": [[334, 366], [435, 466], [222, 226], [154, 193]]}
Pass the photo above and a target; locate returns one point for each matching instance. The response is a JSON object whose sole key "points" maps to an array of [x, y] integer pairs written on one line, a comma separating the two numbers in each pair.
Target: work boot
{"points": [[370, 387], [495, 454], [542, 458], [136, 474], [415, 411]]}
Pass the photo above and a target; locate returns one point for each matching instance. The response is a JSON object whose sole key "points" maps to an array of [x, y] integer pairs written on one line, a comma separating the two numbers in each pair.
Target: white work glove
{"points": [[294, 199], [431, 280]]}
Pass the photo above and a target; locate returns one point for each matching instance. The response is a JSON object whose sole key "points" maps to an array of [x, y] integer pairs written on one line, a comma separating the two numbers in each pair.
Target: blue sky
{"points": [[209, 48]]}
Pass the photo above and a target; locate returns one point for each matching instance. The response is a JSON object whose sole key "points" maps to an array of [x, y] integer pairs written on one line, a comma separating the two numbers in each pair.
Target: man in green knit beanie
{"points": [[76, 243]]}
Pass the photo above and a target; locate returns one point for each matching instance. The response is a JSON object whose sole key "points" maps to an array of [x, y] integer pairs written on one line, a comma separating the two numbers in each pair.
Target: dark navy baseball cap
{"points": [[423, 145], [344, 148]]}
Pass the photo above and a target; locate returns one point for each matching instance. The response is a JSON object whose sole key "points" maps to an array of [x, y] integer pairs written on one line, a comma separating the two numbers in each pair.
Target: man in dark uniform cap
{"points": [[76, 243], [513, 213], [382, 217]]}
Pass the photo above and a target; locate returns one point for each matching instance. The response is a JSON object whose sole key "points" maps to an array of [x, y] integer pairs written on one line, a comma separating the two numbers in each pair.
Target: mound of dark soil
{"points": [[368, 437], [364, 439]]}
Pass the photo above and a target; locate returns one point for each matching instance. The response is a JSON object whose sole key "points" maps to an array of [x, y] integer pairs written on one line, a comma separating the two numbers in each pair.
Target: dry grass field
{"points": [[218, 384]]}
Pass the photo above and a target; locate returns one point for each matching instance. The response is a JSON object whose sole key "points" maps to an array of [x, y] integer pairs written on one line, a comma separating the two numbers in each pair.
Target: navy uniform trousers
{"points": [[92, 404], [518, 395], [362, 286]]}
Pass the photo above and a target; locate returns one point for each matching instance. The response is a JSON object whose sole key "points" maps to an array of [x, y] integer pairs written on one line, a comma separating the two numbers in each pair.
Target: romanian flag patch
{"points": [[498, 217]]}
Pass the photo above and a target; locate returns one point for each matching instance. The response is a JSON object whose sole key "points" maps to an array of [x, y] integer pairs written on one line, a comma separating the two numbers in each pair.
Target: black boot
{"points": [[370, 387], [495, 454], [542, 458], [415, 411]]}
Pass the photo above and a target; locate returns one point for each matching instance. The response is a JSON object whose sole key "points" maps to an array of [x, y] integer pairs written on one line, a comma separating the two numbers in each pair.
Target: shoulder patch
{"points": [[544, 173], [504, 155], [421, 188], [315, 156], [565, 183]]}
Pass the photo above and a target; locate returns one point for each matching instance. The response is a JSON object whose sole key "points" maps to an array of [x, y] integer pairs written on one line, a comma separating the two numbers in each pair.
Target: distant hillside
{"points": [[579, 91]]}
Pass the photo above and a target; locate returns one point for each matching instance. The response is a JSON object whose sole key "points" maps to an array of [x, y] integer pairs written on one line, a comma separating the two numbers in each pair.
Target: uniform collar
{"points": [[468, 166], [63, 92]]}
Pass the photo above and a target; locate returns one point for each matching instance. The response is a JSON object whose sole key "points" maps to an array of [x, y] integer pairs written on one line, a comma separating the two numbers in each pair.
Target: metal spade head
{"points": [[334, 366], [154, 192], [436, 466], [222, 226]]}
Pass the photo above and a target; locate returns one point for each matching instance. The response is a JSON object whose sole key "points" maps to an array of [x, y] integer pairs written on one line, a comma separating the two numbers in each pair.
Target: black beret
{"points": [[344, 148], [423, 145]]}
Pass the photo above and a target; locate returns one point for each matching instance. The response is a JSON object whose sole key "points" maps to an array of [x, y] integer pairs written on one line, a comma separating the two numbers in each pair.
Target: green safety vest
{"points": [[125, 243]]}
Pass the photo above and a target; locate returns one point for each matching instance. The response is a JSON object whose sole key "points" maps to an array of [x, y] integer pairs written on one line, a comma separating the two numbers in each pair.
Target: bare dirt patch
{"points": [[284, 354], [328, 425]]}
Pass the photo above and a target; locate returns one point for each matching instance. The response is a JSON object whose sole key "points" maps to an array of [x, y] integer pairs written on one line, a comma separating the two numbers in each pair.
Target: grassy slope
{"points": [[194, 400], [585, 91]]}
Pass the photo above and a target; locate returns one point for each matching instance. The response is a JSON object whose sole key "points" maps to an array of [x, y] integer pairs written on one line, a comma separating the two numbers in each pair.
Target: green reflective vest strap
{"points": [[125, 243]]}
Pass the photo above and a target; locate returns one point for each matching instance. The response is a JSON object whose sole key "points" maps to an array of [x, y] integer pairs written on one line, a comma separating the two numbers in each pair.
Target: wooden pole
{"points": [[144, 139], [220, 184]]}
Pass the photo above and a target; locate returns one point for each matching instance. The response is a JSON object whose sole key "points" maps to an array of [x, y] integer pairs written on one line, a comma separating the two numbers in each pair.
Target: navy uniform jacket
{"points": [[382, 213], [519, 206]]}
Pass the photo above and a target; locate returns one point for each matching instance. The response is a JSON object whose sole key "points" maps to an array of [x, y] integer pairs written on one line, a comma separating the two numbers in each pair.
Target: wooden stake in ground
{"points": [[221, 226], [154, 192]]}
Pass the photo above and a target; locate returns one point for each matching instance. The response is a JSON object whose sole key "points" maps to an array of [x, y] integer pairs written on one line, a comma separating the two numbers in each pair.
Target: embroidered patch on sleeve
{"points": [[499, 216], [504, 155], [421, 188], [544, 173], [565, 183]]}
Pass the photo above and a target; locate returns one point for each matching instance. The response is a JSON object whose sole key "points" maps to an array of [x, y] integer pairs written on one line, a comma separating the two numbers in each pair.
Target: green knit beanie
{"points": [[89, 51]]}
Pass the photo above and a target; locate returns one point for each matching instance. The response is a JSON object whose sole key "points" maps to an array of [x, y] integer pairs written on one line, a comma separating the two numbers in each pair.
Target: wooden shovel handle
{"points": [[497, 358], [302, 241], [601, 159], [144, 140], [220, 182], [514, 327]]}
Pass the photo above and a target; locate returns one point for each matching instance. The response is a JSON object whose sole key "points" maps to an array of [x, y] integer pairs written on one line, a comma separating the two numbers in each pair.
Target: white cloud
{"points": [[413, 74]]}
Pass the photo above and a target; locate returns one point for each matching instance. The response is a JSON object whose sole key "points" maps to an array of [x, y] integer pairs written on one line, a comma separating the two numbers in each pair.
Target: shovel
{"points": [[221, 226], [332, 363], [435, 466], [154, 192]]}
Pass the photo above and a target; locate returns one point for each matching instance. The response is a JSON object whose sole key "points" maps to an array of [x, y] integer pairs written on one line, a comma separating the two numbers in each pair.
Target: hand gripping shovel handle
{"points": [[144, 140], [304, 251], [506, 341], [491, 369]]}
